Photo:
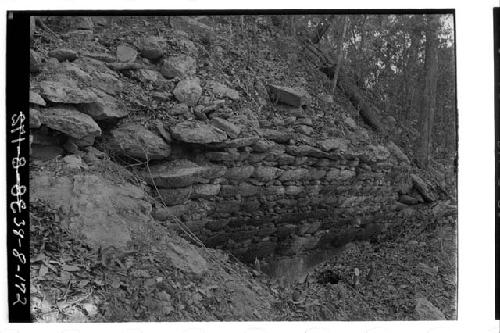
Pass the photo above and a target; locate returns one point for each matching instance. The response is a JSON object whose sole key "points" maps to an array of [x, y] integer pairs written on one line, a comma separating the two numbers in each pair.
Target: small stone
{"points": [[45, 153], [262, 146], [125, 53], [408, 200], [188, 91], [78, 22], [265, 173], [181, 173], [63, 54], [177, 196], [101, 56], [231, 129], [197, 132], [290, 96], [294, 174], [161, 96], [422, 188], [181, 66], [333, 143], [276, 135], [350, 122], [73, 161], [240, 172], [221, 90], [159, 127], [35, 98], [427, 311], [205, 190], [71, 147], [147, 75], [179, 109], [307, 130], [293, 190], [151, 48], [35, 62], [35, 118], [396, 151], [412, 243]]}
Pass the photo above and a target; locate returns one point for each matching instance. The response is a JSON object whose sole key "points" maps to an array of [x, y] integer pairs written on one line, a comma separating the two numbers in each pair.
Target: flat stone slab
{"points": [[66, 91], [197, 132], [104, 109], [70, 121], [104, 213], [290, 96], [181, 173], [36, 99], [63, 54], [230, 128], [134, 140]]}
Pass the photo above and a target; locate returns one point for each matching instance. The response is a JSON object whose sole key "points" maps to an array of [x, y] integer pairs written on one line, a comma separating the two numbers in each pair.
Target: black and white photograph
{"points": [[261, 166]]}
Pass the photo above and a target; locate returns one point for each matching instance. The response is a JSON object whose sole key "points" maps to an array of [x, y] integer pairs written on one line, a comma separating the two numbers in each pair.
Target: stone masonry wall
{"points": [[278, 202]]}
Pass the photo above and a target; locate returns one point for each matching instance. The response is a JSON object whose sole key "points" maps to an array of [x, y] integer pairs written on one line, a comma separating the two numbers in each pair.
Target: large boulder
{"points": [[95, 73], [70, 121], [290, 96], [188, 91], [181, 173], [134, 140], [181, 66], [66, 91], [197, 132], [104, 109], [103, 212]]}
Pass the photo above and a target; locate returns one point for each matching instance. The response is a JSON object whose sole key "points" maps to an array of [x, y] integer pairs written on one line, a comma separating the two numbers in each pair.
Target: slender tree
{"points": [[428, 104]]}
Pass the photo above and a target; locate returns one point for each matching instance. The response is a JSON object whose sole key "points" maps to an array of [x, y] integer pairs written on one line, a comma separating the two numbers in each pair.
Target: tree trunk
{"points": [[340, 54], [366, 110], [428, 104]]}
